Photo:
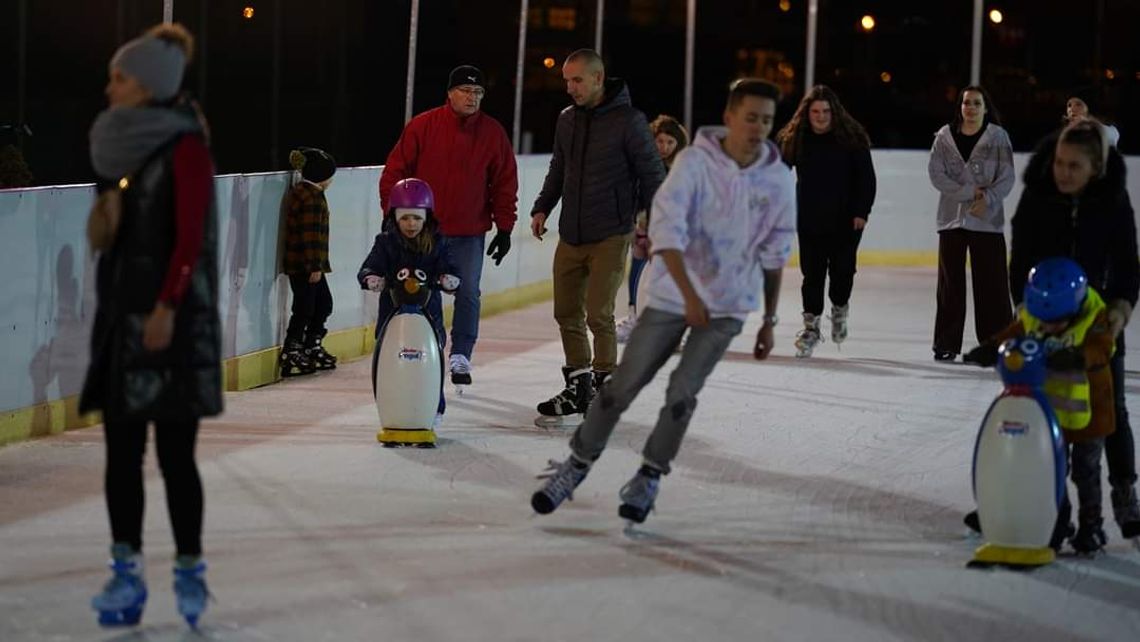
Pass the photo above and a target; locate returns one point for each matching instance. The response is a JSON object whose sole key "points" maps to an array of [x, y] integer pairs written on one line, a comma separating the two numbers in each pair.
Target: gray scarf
{"points": [[123, 138]]}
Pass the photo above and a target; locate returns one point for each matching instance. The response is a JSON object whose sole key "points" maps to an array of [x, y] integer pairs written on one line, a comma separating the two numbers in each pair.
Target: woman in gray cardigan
{"points": [[971, 166]]}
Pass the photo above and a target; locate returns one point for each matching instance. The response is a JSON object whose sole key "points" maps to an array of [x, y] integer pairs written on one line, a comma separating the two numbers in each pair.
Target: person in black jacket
{"points": [[604, 169], [156, 341], [835, 189], [1075, 205]]}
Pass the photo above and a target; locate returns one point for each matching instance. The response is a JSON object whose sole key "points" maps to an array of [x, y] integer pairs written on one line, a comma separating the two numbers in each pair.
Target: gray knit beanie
{"points": [[157, 64]]}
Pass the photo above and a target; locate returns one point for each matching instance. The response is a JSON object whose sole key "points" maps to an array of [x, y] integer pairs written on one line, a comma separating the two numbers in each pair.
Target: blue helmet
{"points": [[1056, 289]]}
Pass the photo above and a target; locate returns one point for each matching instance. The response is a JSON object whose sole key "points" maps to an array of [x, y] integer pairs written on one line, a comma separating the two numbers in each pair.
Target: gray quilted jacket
{"points": [[604, 169], [990, 167]]}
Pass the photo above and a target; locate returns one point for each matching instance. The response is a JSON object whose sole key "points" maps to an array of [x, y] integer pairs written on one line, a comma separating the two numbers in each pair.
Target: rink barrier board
{"points": [[244, 372]]}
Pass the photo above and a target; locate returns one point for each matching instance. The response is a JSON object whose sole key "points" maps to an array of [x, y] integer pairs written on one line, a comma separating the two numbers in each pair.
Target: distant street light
{"points": [[548, 63], [996, 16], [868, 23], [885, 76], [785, 5], [247, 13]]}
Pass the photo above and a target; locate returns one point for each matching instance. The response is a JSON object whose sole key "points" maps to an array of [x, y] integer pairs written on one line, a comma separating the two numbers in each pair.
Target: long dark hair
{"points": [[992, 115], [848, 131], [670, 126]]}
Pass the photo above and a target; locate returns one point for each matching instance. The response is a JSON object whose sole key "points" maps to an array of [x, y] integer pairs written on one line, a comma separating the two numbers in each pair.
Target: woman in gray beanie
{"points": [[156, 341]]}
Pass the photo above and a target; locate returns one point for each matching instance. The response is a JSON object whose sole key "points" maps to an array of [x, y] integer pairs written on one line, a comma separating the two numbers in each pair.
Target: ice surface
{"points": [[812, 500]]}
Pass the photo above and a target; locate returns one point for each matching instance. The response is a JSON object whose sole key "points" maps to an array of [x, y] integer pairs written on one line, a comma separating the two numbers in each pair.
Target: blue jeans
{"points": [[636, 266], [467, 256]]}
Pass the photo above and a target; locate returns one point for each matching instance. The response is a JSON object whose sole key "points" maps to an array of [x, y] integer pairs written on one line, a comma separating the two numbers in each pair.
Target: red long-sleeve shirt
{"points": [[193, 177], [469, 164]]}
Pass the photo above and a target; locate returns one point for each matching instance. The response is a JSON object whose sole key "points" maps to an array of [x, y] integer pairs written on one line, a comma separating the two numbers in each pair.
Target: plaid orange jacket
{"points": [[306, 230]]}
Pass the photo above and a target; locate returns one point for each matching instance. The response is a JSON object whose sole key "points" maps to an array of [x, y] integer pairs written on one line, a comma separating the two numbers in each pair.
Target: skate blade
{"points": [[403, 438], [559, 421], [125, 617]]}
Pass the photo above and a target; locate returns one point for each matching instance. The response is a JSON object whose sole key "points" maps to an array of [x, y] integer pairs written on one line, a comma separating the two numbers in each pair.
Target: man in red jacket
{"points": [[467, 159]]}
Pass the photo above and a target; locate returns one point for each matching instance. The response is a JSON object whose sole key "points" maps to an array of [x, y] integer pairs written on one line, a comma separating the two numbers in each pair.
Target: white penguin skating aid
{"points": [[1019, 464], [407, 367]]}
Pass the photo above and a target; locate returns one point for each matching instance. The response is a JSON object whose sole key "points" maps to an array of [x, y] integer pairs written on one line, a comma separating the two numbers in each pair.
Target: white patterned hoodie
{"points": [[729, 223]]}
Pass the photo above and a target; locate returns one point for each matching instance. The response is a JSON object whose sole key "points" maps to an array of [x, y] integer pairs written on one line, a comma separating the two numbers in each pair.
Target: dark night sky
{"points": [[343, 65]]}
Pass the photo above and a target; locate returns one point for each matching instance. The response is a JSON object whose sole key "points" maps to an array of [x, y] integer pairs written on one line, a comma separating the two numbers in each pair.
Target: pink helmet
{"points": [[411, 192]]}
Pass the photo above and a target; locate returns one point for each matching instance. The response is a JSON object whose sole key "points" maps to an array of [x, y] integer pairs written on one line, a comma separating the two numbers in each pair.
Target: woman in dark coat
{"points": [[156, 343], [1075, 205]]}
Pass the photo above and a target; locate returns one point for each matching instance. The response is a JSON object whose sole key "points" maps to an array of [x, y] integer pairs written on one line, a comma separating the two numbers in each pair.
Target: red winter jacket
{"points": [[469, 165]]}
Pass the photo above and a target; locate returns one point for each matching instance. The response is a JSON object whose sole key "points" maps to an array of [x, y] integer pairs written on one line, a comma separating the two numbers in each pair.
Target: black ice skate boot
{"points": [[1090, 537], [1126, 510], [294, 361], [569, 406], [316, 353]]}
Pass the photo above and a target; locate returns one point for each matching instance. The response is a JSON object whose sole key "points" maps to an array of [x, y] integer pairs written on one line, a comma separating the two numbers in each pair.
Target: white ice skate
{"points": [[460, 368], [808, 338]]}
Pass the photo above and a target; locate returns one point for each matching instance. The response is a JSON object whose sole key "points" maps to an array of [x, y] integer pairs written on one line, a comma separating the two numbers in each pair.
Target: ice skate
{"points": [[625, 326], [639, 495], [294, 361], [1090, 538], [1126, 510], [318, 357], [562, 477], [190, 590], [808, 338], [460, 367], [123, 597], [567, 408], [839, 324]]}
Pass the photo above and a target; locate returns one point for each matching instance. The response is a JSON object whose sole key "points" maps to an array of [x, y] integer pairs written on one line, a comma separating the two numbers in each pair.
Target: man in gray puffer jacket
{"points": [[604, 169]]}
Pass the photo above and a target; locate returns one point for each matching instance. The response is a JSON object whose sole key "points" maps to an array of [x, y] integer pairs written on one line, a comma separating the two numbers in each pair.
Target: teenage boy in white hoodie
{"points": [[723, 224]]}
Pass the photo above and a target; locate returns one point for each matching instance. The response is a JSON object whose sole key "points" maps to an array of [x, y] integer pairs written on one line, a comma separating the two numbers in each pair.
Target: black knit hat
{"points": [[315, 165], [465, 75]]}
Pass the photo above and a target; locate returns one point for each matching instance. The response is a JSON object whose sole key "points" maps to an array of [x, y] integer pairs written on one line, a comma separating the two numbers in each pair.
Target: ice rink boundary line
{"points": [[246, 371]]}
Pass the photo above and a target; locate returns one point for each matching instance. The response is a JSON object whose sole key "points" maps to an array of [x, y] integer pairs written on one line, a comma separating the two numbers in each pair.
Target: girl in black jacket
{"points": [[1075, 205], [835, 188]]}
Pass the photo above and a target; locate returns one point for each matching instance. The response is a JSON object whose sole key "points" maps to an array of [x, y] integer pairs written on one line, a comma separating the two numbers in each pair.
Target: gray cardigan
{"points": [[990, 167]]}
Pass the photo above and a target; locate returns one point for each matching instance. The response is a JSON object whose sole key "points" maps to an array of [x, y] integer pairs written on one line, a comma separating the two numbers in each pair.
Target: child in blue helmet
{"points": [[410, 241], [1071, 321]]}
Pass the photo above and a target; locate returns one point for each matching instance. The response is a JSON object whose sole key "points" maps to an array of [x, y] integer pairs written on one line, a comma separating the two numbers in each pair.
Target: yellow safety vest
{"points": [[1068, 391]]}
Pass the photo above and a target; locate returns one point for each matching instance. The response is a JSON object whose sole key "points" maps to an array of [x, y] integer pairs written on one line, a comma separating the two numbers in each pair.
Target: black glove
{"points": [[984, 355], [499, 246], [1066, 359]]}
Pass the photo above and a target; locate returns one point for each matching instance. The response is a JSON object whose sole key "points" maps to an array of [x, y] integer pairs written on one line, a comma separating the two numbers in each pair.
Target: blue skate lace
{"points": [[190, 589], [562, 477]]}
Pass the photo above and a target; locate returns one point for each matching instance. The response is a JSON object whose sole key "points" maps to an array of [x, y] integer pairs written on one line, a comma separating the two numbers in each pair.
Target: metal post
{"points": [[690, 44], [601, 18], [275, 95], [168, 11], [516, 131], [411, 86], [809, 63], [22, 73], [976, 50]]}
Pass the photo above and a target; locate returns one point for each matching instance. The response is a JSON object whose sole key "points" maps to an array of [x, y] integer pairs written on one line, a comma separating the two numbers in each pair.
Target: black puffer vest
{"points": [[124, 380]]}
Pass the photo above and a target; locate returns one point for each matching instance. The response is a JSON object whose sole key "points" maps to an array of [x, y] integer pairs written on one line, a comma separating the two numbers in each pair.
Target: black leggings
{"points": [[1119, 448], [123, 482]]}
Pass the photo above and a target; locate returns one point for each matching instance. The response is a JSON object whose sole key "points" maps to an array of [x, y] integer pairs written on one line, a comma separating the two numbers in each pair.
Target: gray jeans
{"points": [[651, 343]]}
